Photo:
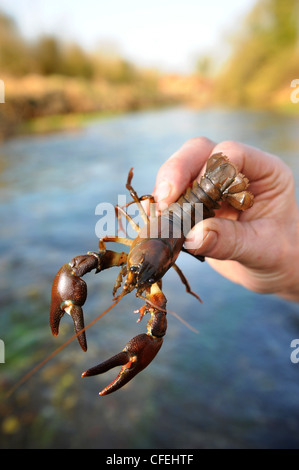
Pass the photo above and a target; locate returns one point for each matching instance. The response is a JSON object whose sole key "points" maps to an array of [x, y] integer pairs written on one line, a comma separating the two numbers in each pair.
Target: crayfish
{"points": [[151, 254]]}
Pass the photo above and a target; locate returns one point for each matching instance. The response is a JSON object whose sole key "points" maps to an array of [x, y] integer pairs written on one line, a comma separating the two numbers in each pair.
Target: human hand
{"points": [[257, 248]]}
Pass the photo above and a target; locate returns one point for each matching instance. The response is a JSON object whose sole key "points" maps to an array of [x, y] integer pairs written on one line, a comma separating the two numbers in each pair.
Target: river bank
{"points": [[42, 104], [36, 103]]}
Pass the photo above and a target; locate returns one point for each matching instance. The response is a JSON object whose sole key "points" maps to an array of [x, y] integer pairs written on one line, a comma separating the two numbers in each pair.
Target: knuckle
{"points": [[200, 141], [228, 145]]}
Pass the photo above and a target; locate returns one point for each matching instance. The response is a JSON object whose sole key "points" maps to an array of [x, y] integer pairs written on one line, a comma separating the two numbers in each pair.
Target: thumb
{"points": [[225, 239]]}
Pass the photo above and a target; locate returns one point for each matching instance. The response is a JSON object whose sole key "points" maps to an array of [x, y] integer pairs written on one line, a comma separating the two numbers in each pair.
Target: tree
{"points": [[13, 52], [266, 55], [48, 55]]}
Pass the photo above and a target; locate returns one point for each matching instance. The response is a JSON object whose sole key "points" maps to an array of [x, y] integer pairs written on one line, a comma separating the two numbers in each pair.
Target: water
{"points": [[232, 385]]}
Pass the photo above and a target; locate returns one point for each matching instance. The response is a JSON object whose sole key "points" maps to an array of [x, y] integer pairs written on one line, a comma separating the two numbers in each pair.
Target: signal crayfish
{"points": [[151, 254]]}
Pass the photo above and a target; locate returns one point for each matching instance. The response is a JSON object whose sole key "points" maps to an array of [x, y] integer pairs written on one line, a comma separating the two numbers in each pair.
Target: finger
{"points": [[225, 239], [180, 169], [256, 164]]}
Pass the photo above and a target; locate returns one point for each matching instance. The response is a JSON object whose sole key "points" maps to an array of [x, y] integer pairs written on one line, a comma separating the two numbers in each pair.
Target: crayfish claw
{"points": [[76, 312], [119, 359], [69, 293], [137, 354]]}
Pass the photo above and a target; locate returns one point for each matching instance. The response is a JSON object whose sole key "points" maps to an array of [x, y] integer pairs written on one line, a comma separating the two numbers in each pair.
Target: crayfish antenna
{"points": [[35, 369]]}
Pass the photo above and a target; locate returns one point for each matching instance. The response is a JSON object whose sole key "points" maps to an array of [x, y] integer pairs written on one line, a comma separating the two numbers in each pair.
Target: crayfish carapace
{"points": [[143, 267]]}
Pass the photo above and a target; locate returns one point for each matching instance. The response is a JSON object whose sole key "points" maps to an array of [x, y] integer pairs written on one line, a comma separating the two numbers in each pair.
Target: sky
{"points": [[164, 34]]}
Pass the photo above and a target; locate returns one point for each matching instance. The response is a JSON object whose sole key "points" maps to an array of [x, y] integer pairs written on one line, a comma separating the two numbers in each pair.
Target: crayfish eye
{"points": [[134, 268]]}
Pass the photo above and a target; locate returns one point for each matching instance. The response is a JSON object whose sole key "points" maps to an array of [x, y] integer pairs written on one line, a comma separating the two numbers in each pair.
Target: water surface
{"points": [[232, 385]]}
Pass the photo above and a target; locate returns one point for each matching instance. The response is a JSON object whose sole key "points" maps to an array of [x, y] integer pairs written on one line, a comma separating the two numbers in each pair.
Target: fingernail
{"points": [[201, 243], [162, 192], [195, 239]]}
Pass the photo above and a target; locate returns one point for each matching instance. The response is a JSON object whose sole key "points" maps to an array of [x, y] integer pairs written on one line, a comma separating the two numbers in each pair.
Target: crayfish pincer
{"points": [[151, 254]]}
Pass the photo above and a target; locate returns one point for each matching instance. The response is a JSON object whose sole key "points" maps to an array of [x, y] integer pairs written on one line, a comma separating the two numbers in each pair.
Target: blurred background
{"points": [[91, 89]]}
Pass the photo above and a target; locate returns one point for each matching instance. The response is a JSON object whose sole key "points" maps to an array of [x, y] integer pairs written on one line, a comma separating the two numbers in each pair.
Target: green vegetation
{"points": [[47, 78], [265, 57], [49, 56]]}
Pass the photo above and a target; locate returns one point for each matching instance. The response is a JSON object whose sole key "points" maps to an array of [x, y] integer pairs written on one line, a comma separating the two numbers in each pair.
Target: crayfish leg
{"points": [[185, 282], [135, 196]]}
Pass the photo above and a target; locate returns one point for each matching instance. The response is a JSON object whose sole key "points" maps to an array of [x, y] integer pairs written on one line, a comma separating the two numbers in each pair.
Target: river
{"points": [[232, 385]]}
